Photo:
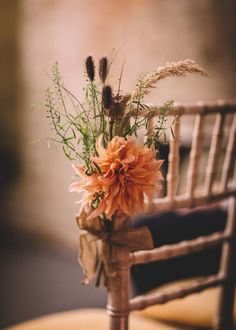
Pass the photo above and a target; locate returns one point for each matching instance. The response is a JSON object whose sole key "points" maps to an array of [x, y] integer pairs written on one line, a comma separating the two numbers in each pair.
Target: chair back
{"points": [[212, 148]]}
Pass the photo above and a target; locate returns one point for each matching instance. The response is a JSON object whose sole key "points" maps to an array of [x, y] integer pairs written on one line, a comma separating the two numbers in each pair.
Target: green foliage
{"points": [[158, 132], [76, 125], [73, 125]]}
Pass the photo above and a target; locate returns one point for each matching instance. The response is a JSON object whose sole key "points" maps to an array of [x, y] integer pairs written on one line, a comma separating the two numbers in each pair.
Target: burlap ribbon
{"points": [[97, 239]]}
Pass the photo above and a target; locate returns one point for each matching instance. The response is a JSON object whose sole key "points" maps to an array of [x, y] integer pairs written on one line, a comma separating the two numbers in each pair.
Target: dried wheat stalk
{"points": [[179, 69]]}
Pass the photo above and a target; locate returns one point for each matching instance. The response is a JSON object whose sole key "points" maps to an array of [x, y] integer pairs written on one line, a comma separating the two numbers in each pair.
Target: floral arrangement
{"points": [[116, 173]]}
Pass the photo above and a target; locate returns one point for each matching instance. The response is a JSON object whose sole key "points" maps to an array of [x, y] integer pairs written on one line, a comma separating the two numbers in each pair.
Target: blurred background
{"points": [[39, 237]]}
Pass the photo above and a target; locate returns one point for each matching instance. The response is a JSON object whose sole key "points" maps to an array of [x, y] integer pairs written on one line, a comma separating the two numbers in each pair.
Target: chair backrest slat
{"points": [[195, 153], [183, 201], [179, 249], [165, 296], [214, 152], [228, 165], [173, 161], [150, 126]]}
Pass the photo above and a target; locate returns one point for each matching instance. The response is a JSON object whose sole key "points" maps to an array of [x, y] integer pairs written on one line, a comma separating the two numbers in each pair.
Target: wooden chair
{"points": [[215, 189]]}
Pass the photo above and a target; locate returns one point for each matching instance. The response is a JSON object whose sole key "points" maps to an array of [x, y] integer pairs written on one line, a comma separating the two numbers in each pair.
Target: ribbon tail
{"points": [[107, 259], [88, 255]]}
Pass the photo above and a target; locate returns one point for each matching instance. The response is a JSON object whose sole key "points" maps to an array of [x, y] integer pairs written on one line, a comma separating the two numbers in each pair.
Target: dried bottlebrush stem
{"points": [[90, 68], [107, 97], [148, 81], [103, 69]]}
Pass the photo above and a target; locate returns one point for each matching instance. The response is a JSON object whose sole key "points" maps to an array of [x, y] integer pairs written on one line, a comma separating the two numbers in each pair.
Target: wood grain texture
{"points": [[194, 158], [228, 165], [141, 302], [213, 158], [179, 249], [173, 162], [224, 317]]}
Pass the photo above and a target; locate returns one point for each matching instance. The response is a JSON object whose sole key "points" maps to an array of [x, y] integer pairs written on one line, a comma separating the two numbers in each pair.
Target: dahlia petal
{"points": [[160, 176], [79, 170], [76, 186], [98, 211], [80, 201], [112, 206], [99, 146], [124, 204]]}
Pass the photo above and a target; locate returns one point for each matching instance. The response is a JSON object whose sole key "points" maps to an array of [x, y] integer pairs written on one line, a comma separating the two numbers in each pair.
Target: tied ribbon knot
{"points": [[96, 242]]}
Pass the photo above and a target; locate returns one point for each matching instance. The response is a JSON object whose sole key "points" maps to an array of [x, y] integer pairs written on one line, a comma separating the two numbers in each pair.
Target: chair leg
{"points": [[118, 322], [224, 318], [225, 315], [119, 290]]}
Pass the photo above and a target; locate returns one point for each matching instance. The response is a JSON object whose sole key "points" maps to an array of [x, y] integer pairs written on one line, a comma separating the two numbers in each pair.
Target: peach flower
{"points": [[129, 172]]}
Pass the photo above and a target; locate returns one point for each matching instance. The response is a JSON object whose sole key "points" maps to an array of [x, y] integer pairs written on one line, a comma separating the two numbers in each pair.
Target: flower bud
{"points": [[107, 97], [90, 68], [103, 69]]}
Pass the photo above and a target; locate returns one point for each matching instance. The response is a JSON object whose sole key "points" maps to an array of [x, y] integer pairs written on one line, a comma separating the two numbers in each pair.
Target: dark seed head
{"points": [[107, 97], [103, 69], [90, 68]]}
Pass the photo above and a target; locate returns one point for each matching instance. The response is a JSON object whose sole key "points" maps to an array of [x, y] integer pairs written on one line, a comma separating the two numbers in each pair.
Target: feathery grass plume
{"points": [[103, 69], [148, 81], [107, 97], [90, 67]]}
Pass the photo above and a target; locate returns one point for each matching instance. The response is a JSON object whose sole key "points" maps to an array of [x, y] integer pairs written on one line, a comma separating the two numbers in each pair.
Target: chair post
{"points": [[173, 162], [213, 158], [224, 318], [119, 290]]}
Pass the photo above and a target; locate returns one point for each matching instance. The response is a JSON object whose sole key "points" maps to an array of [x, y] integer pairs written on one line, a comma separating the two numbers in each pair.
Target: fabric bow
{"points": [[97, 239]]}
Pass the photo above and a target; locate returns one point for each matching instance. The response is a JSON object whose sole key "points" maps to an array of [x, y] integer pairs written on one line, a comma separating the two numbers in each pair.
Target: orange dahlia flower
{"points": [[129, 172]]}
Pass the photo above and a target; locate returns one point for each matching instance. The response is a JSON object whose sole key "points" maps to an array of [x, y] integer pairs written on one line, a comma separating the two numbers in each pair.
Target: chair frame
{"points": [[119, 303]]}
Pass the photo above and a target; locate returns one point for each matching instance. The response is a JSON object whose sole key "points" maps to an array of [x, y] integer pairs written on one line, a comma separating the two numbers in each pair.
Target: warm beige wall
{"points": [[148, 33]]}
